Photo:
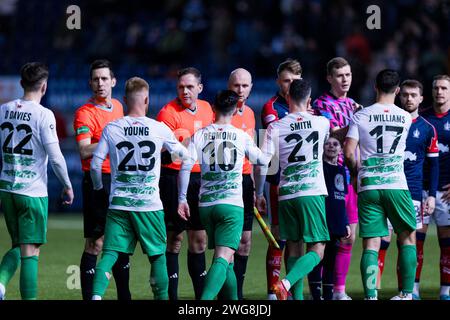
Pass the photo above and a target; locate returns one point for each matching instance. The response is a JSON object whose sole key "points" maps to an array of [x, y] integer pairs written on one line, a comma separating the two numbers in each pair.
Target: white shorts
{"points": [[419, 215], [441, 214]]}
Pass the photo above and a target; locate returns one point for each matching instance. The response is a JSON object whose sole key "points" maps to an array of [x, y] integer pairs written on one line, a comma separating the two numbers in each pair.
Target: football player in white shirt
{"points": [[134, 145], [28, 139], [221, 149], [381, 131], [302, 190]]}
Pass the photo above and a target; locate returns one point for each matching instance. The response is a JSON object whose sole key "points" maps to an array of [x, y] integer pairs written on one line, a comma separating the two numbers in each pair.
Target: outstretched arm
{"points": [[96, 172], [260, 178], [189, 157], [59, 166]]}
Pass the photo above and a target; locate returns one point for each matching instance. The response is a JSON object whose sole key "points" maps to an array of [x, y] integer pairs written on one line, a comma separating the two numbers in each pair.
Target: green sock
{"points": [[9, 265], [297, 288], [215, 278], [302, 267], [229, 288], [29, 277], [408, 265], [159, 280], [103, 272], [369, 272]]}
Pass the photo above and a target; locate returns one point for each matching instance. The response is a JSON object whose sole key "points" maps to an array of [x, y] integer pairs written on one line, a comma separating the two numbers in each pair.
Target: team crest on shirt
{"points": [[447, 126], [270, 118], [410, 156], [339, 182], [386, 110], [416, 134], [443, 148], [299, 119]]}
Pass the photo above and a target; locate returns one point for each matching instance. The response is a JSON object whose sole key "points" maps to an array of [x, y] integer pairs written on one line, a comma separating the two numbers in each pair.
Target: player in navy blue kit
{"points": [[421, 147], [337, 221], [439, 117]]}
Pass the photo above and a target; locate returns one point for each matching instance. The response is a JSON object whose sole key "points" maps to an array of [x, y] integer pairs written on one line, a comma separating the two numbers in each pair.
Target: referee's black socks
{"points": [[197, 271], [240, 267], [172, 271], [87, 272], [121, 273]]}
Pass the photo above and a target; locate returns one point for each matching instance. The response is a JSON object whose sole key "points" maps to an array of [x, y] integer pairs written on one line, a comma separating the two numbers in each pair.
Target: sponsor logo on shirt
{"points": [[443, 148], [410, 156], [447, 126], [83, 129]]}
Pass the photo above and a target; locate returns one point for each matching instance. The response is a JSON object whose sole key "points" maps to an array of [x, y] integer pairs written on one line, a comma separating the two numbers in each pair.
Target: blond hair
{"points": [[134, 85]]}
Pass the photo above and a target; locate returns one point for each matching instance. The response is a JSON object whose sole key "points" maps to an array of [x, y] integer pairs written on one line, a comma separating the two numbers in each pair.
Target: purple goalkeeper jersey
{"points": [[338, 110]]}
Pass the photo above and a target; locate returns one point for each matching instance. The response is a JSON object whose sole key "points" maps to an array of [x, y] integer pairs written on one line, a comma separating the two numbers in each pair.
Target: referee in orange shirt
{"points": [[184, 115], [90, 119]]}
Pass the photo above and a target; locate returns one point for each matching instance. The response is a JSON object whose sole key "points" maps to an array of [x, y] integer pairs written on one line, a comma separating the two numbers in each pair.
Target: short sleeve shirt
{"points": [[184, 123], [89, 121]]}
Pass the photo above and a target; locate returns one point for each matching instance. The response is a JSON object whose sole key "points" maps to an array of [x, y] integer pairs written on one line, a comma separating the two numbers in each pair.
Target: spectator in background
{"points": [[228, 33]]}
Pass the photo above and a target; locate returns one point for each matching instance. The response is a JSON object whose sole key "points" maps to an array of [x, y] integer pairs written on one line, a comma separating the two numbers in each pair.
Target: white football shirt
{"points": [[221, 150], [299, 139], [134, 147], [381, 130], [26, 127]]}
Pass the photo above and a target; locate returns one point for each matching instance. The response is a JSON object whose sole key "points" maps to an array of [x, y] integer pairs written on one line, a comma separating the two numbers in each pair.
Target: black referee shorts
{"points": [[169, 196], [247, 196], [95, 205]]}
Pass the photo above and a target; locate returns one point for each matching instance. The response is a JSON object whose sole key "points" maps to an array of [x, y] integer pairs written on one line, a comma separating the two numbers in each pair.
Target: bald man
{"points": [[240, 81]]}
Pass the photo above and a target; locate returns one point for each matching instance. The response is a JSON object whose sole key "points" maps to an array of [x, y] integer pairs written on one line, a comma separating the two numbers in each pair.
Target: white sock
{"points": [[2, 290], [444, 290], [286, 284], [95, 297], [416, 288]]}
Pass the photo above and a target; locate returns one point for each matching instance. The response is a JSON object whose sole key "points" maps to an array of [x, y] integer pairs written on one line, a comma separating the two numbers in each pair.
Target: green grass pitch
{"points": [[61, 255]]}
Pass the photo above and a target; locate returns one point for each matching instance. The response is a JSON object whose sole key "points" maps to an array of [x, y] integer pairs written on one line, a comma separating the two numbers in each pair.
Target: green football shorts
{"points": [[303, 218], [26, 218], [223, 224], [124, 228], [374, 206]]}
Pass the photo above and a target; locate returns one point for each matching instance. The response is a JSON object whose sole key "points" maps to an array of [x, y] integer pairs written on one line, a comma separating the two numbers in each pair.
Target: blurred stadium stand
{"points": [[153, 39]]}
